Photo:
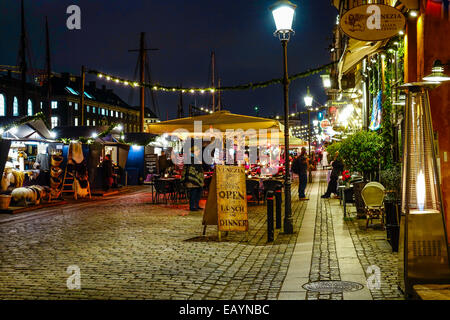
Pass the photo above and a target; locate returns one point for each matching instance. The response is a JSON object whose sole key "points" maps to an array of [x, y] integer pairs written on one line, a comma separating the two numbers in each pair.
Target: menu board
{"points": [[227, 201], [151, 163]]}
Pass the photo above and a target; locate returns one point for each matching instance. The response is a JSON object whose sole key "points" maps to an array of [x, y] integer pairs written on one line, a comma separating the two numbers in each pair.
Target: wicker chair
{"points": [[373, 196]]}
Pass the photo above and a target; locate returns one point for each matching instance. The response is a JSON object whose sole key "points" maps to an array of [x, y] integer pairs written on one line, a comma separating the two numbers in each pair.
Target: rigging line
{"points": [[131, 92]]}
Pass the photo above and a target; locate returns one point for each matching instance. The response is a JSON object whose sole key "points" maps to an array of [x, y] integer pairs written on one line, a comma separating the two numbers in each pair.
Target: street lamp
{"points": [[308, 103], [283, 14]]}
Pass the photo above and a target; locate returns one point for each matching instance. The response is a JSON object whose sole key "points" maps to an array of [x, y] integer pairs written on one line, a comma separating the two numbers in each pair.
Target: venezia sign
{"points": [[226, 206], [372, 22]]}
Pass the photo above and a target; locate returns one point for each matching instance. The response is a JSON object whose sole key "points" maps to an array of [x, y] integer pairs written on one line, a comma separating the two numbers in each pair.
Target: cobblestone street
{"points": [[128, 248]]}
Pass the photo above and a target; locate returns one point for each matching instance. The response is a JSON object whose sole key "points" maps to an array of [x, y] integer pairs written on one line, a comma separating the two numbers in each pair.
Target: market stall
{"points": [[25, 180]]}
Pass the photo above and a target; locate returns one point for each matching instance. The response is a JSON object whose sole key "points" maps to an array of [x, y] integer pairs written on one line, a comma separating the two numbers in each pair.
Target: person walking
{"points": [[300, 167], [338, 167], [193, 179]]}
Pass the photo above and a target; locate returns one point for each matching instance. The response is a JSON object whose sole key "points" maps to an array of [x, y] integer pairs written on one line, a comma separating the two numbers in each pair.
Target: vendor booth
{"points": [[25, 165], [95, 150]]}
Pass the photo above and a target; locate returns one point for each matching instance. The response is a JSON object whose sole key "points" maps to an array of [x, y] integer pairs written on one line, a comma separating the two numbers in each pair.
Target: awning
{"points": [[35, 130], [356, 51]]}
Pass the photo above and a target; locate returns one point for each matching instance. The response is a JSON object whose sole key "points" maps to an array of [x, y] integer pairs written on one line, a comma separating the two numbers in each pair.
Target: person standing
{"points": [[193, 179], [107, 172], [163, 163], [300, 167], [338, 167]]}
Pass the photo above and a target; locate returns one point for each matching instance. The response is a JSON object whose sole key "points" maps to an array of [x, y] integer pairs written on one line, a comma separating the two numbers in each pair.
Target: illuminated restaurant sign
{"points": [[372, 22]]}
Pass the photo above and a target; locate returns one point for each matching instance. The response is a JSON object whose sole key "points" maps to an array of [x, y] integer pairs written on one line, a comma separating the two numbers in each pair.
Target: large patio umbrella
{"points": [[221, 120]]}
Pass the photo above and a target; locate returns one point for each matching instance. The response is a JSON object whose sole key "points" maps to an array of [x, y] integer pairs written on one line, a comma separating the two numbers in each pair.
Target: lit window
{"points": [[99, 110], [2, 106], [75, 106], [41, 105], [54, 122], [93, 109], [87, 108], [15, 107], [54, 104], [30, 108], [121, 114], [70, 103], [71, 91], [87, 122], [103, 112], [117, 114], [88, 95], [112, 113], [93, 122], [76, 121]]}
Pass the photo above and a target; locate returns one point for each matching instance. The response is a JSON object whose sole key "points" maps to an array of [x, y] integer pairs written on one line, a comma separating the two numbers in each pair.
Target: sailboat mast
{"points": [[142, 69], [23, 61], [49, 70], [213, 64]]}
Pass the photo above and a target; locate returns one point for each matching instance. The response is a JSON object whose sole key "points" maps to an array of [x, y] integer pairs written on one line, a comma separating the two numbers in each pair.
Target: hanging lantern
{"points": [[423, 248]]}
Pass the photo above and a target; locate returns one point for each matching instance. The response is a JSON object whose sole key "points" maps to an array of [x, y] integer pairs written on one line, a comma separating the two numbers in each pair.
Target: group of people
{"points": [[302, 164]]}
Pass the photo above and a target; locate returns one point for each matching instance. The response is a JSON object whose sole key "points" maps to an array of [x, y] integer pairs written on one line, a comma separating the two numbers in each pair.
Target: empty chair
{"points": [[373, 196]]}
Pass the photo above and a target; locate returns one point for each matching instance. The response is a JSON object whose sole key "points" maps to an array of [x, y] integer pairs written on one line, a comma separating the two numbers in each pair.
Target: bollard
{"points": [[270, 216], [278, 199]]}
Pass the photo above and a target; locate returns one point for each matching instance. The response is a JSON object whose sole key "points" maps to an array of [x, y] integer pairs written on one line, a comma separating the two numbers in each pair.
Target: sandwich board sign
{"points": [[226, 206]]}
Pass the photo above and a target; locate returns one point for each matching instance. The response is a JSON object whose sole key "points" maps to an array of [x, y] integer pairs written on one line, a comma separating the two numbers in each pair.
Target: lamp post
{"points": [[308, 103], [283, 14]]}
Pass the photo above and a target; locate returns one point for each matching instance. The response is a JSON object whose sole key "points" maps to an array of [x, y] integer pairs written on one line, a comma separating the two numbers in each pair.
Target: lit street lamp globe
{"points": [[283, 14], [308, 99]]}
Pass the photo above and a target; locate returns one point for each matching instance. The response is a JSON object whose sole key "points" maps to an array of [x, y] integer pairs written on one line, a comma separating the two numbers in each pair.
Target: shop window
{"points": [[30, 108], [2, 106], [15, 107], [54, 122]]}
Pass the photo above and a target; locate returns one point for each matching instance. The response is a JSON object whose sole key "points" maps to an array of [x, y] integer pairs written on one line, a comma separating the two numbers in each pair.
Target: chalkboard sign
{"points": [[151, 163]]}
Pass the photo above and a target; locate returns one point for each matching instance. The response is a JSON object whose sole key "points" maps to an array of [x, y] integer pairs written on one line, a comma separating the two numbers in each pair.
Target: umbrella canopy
{"points": [[221, 120]]}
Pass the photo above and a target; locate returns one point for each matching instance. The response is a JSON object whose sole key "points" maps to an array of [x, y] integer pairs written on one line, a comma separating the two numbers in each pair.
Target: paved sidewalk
{"points": [[330, 249]]}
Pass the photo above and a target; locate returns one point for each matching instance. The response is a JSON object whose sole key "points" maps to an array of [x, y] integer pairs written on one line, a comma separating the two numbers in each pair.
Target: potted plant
{"points": [[391, 180]]}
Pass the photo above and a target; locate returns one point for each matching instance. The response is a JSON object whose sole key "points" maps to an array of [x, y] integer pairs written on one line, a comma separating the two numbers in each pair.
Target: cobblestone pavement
{"points": [[128, 248], [372, 248]]}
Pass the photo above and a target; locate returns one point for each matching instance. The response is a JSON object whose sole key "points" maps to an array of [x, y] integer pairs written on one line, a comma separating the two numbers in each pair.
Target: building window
{"points": [[87, 108], [70, 103], [54, 104], [75, 121], [93, 122], [121, 115], [15, 107], [54, 122], [99, 110], [93, 109], [75, 107], [2, 106], [87, 122], [117, 114], [30, 108], [71, 91], [41, 106]]}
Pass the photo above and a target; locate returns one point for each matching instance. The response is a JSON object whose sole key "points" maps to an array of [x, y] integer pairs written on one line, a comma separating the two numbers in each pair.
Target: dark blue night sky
{"points": [[240, 32]]}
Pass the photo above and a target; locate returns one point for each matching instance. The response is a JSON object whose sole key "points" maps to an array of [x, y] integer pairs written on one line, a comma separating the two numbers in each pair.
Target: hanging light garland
{"points": [[248, 86]]}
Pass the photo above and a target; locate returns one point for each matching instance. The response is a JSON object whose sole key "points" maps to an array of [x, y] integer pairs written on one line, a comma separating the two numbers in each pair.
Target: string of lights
{"points": [[248, 86]]}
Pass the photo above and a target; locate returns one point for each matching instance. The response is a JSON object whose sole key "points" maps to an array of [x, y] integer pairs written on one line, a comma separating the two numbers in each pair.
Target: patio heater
{"points": [[423, 248]]}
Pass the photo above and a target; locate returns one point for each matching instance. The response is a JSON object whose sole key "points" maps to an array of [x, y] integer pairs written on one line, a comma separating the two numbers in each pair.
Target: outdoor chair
{"points": [[180, 191], [162, 188], [373, 196], [252, 187]]}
